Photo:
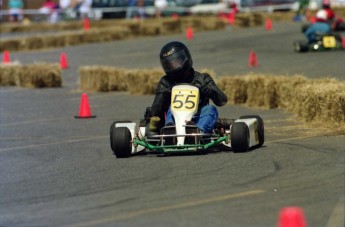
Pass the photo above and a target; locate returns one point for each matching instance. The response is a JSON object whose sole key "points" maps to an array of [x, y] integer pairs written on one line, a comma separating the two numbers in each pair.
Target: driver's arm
{"points": [[161, 102], [211, 91]]}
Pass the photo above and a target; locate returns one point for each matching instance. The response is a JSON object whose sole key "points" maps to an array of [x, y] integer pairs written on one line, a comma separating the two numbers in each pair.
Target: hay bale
{"points": [[235, 87], [102, 79], [112, 30], [143, 82], [71, 38], [53, 41], [117, 33], [32, 43], [285, 91], [171, 26], [36, 75], [40, 75], [105, 78], [321, 100], [243, 20], [150, 29], [90, 36], [10, 44], [9, 74]]}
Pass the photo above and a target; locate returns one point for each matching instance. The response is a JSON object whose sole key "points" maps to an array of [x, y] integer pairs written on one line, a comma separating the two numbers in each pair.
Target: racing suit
{"points": [[207, 114], [319, 28]]}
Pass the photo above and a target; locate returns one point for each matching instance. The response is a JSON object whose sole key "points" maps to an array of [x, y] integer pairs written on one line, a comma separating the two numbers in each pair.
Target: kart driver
{"points": [[321, 27], [326, 5], [177, 63]]}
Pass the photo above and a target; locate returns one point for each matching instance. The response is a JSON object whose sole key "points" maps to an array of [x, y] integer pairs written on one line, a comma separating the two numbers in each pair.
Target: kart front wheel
{"points": [[301, 46], [120, 141], [239, 137]]}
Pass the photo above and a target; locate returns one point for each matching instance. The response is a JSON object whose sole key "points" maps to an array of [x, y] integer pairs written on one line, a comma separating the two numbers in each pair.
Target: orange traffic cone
{"points": [[86, 24], [189, 33], [6, 57], [268, 24], [84, 111], [63, 61], [231, 18], [291, 217], [253, 61]]}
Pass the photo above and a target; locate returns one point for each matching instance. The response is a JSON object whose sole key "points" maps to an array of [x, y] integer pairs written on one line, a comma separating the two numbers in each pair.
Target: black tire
{"points": [[112, 126], [239, 137], [261, 128], [301, 46], [120, 139]]}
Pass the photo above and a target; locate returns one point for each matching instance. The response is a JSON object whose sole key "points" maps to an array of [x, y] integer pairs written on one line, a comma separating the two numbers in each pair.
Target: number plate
{"points": [[329, 41], [184, 100]]}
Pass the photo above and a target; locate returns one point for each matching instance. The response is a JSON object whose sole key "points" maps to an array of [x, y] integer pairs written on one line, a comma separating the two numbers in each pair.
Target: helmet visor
{"points": [[174, 61]]}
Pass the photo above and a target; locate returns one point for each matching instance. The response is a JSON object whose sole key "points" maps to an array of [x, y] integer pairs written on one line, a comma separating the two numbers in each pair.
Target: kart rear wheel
{"points": [[261, 129], [239, 137], [301, 46], [120, 141]]}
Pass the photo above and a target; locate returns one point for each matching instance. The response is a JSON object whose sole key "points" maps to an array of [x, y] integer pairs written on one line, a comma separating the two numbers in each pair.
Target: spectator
{"points": [[141, 9], [50, 9], [160, 5], [64, 4], [131, 9], [233, 7], [85, 8], [302, 10], [16, 10], [320, 27], [66, 10]]}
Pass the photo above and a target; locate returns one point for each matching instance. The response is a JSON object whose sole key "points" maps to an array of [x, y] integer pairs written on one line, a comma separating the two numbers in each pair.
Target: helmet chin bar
{"points": [[183, 75]]}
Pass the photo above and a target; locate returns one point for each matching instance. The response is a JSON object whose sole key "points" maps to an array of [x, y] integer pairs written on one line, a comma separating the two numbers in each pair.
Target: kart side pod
{"points": [[245, 133], [132, 128]]}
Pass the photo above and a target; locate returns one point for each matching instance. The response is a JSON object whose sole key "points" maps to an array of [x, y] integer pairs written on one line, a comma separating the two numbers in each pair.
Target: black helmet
{"points": [[175, 58]]}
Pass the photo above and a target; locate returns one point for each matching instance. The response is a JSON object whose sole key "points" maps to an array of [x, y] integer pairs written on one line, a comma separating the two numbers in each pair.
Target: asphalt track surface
{"points": [[56, 170]]}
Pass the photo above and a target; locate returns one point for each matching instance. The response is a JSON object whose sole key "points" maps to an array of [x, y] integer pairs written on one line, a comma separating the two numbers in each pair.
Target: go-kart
{"points": [[322, 43], [128, 138]]}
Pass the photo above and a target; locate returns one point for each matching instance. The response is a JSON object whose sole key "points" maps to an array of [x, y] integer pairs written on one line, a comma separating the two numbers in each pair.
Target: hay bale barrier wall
{"points": [[103, 31], [38, 75], [105, 78], [317, 100]]}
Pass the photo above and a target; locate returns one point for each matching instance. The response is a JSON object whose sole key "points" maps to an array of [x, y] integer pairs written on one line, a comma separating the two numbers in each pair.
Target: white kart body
{"points": [[184, 105], [252, 124]]}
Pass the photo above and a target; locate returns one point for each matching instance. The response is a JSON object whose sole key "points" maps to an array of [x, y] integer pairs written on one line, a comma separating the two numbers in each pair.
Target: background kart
{"points": [[322, 43], [239, 135]]}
